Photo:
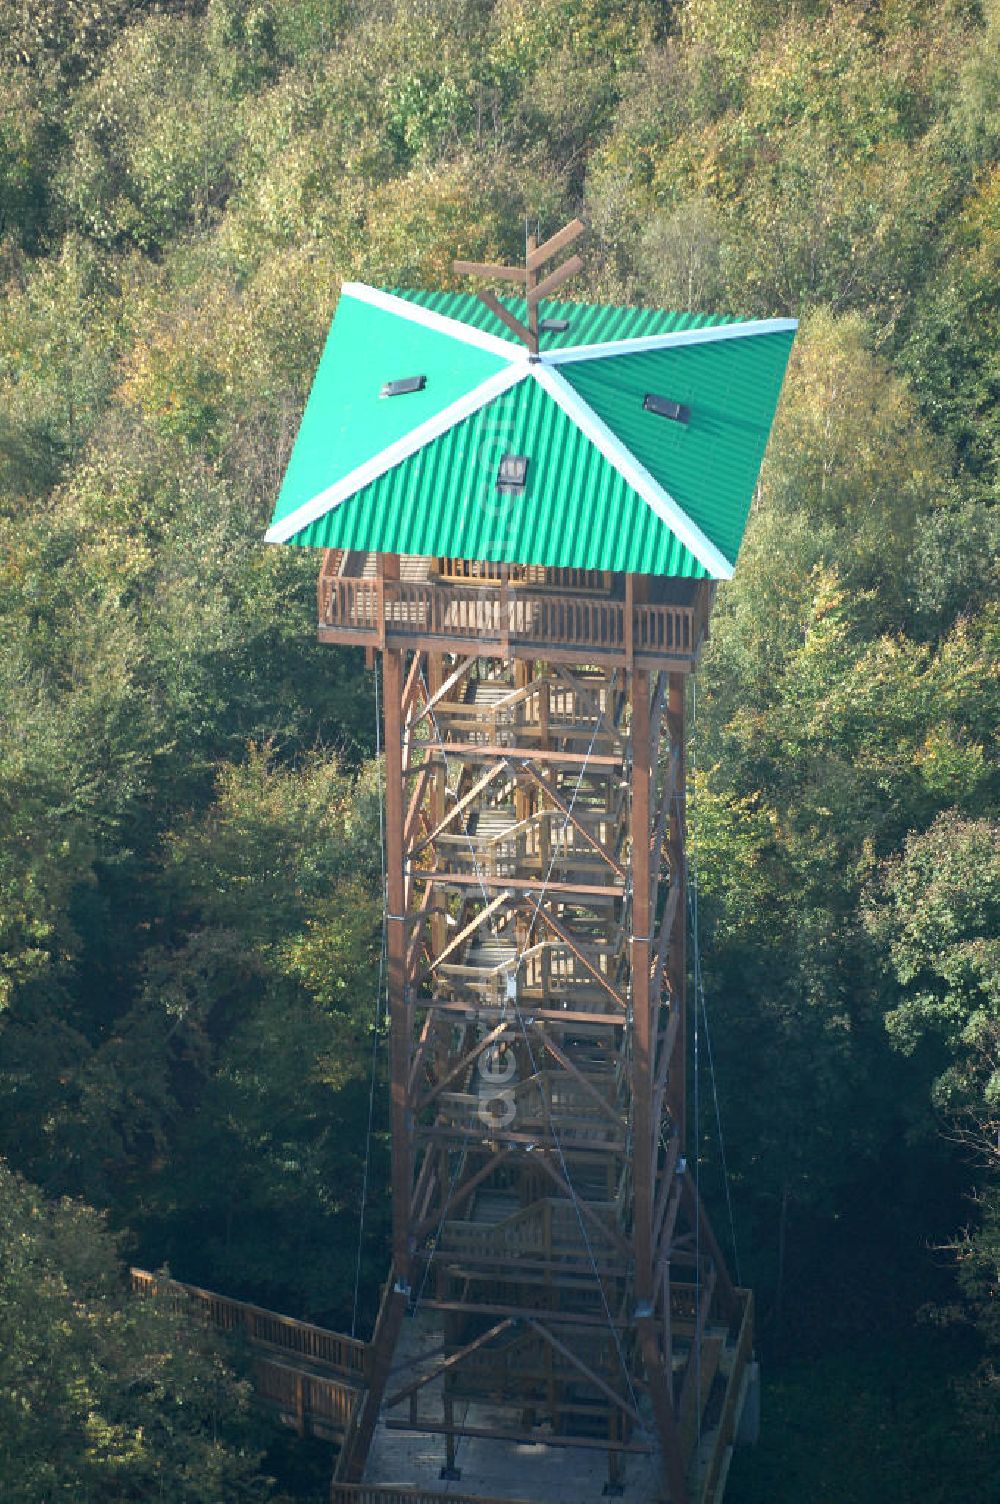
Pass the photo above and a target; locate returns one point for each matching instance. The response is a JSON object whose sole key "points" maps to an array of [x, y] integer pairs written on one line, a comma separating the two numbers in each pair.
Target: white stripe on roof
{"points": [[362, 475], [440, 322], [636, 474], [676, 340]]}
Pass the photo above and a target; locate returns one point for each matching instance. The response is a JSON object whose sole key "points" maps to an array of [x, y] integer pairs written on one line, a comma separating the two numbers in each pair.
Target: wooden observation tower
{"points": [[524, 511]]}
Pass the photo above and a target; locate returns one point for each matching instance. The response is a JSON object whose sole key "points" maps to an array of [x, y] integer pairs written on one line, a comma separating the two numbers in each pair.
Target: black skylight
{"points": [[554, 326], [403, 385], [663, 407], [513, 473]]}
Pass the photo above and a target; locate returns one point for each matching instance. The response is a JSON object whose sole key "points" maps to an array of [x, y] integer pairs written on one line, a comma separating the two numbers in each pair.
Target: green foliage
{"points": [[872, 1425], [937, 912], [103, 1396], [189, 883], [150, 139]]}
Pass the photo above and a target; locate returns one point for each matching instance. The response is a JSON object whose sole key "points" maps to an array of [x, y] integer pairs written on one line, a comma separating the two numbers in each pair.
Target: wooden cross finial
{"points": [[535, 257]]}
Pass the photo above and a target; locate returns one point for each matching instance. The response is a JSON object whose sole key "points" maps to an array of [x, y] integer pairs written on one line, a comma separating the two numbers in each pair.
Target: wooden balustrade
{"points": [[261, 1328], [501, 616], [736, 1381], [314, 1404], [540, 576]]}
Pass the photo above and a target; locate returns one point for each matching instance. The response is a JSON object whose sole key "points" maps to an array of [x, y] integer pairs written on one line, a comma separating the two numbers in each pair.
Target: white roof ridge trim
{"points": [[707, 334], [635, 473], [386, 459], [441, 323]]}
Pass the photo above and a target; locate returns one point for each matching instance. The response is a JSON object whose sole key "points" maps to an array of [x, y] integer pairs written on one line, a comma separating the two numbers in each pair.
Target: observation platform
{"points": [[521, 611]]}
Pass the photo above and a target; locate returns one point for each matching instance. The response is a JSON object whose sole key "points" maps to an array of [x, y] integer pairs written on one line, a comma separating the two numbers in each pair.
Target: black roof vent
{"points": [[403, 385], [554, 326], [663, 407], [513, 473]]}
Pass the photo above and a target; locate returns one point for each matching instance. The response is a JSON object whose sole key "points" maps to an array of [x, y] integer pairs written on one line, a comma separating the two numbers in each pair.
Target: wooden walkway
{"points": [[311, 1377]]}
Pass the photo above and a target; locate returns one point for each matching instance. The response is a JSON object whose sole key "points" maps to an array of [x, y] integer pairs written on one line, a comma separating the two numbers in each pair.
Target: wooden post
{"points": [[531, 282], [642, 918], [399, 1008], [438, 798], [677, 956]]}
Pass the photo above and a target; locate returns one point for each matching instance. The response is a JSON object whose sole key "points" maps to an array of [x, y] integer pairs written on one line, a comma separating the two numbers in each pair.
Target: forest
{"points": [[190, 905]]}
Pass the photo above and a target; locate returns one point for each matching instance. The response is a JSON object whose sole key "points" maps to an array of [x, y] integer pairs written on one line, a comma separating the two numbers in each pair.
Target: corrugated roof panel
{"points": [[710, 464], [346, 421], [575, 510], [589, 323]]}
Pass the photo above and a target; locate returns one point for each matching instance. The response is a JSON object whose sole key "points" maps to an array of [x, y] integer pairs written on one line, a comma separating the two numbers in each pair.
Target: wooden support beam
{"points": [[432, 700], [506, 317], [489, 270], [449, 1363], [466, 1060], [607, 1108], [413, 679], [554, 279], [663, 1062], [461, 806], [571, 819], [424, 770], [426, 1033], [527, 885], [483, 751], [464, 1190], [676, 960], [642, 920], [526, 1438], [670, 910], [587, 1371], [399, 1013], [660, 1390], [555, 243], [479, 919], [709, 1242], [463, 1008], [563, 935]]}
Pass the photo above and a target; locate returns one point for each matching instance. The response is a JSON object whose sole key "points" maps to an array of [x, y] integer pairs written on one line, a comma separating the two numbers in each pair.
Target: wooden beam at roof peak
{"points": [[555, 279], [488, 269], [514, 325], [555, 243]]}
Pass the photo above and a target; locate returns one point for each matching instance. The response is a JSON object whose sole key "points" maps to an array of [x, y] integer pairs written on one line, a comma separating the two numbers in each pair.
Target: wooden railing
{"points": [[314, 1404], [541, 576], [730, 1417], [501, 615], [297, 1339], [664, 629], [365, 1493]]}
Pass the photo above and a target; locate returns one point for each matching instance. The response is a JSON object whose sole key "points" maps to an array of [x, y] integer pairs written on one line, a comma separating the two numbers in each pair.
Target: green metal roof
{"points": [[589, 323], [609, 484]]}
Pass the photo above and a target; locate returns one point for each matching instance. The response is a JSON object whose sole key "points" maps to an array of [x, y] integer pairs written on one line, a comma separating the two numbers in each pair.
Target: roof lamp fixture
{"points": [[403, 385], [554, 326], [513, 473], [663, 407]]}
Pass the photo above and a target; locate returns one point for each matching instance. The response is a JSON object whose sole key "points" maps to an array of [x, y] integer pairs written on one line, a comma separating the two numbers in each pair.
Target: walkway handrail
{"points": [[314, 1344]]}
